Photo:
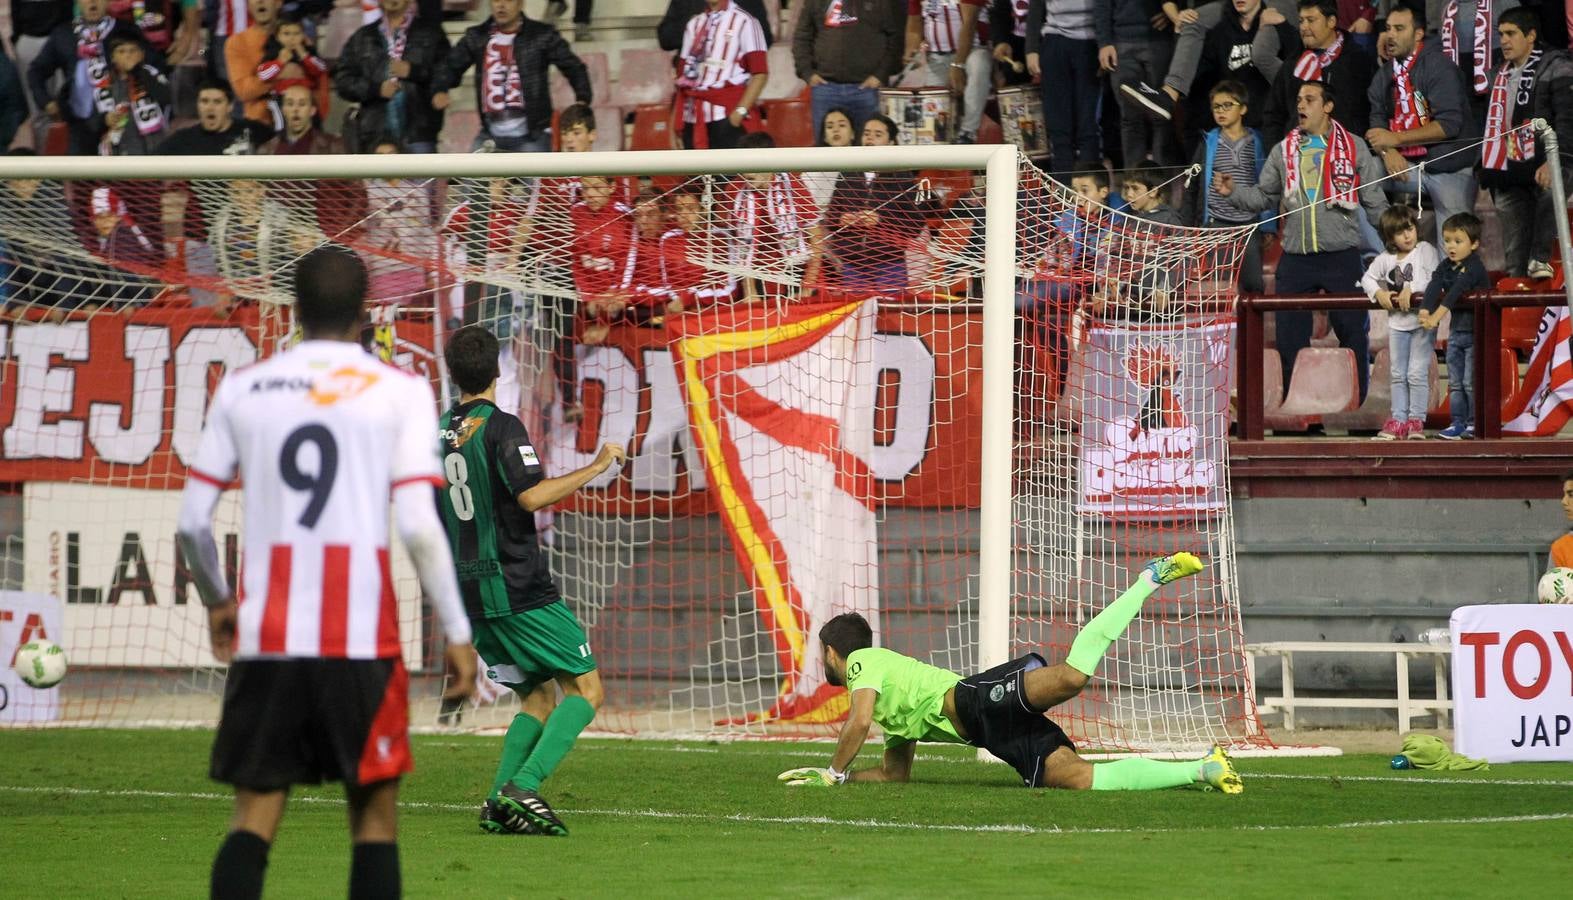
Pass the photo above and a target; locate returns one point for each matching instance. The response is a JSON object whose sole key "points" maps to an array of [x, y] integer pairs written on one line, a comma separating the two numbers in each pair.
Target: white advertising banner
{"points": [[1513, 682], [109, 554], [27, 617]]}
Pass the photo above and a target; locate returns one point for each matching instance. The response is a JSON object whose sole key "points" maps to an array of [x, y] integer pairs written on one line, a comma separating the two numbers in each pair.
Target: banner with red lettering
{"points": [[121, 399], [1513, 682]]}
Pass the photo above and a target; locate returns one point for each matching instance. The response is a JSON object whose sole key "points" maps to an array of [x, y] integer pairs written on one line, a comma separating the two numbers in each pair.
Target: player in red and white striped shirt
{"points": [[721, 71], [322, 436]]}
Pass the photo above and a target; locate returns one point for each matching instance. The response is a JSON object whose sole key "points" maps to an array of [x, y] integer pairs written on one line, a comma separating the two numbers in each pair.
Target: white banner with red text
{"points": [[1513, 682]]}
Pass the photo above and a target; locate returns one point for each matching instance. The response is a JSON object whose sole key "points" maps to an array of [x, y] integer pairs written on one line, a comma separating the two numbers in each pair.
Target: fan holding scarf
{"points": [[1532, 82], [79, 51], [1318, 177]]}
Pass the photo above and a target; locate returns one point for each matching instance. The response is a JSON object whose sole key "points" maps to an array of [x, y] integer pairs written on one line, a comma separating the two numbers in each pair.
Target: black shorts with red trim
{"points": [[993, 708], [306, 721]]}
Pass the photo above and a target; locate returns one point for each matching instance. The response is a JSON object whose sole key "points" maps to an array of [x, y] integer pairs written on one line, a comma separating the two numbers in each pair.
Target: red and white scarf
{"points": [[1505, 142], [92, 57], [1340, 171], [770, 227], [1410, 109], [145, 111], [397, 38], [1311, 63], [1482, 49]]}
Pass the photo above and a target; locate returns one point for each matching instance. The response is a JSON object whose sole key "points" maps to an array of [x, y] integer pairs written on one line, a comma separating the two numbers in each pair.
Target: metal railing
{"points": [[1488, 337]]}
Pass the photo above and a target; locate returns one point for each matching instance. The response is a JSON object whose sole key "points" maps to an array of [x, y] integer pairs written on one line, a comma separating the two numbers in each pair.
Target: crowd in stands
{"points": [[1316, 117]]}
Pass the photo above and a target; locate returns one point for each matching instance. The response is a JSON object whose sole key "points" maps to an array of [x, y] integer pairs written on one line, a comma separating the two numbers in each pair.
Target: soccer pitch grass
{"points": [[132, 814]]}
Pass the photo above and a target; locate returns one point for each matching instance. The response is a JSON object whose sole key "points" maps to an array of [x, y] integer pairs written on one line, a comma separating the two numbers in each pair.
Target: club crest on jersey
{"points": [[340, 384], [997, 693], [466, 429], [528, 454]]}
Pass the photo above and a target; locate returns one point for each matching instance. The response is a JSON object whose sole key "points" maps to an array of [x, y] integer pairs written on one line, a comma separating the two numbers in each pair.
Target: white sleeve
{"points": [[217, 461], [415, 469], [1375, 274], [415, 444], [415, 515], [1426, 262]]}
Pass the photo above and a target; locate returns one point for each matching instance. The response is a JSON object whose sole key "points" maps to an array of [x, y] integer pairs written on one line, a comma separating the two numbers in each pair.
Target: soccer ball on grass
{"points": [[41, 664], [1556, 586]]}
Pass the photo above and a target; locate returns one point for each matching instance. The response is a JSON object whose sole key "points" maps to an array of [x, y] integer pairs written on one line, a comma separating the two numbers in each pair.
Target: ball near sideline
{"points": [[1556, 586], [40, 664]]}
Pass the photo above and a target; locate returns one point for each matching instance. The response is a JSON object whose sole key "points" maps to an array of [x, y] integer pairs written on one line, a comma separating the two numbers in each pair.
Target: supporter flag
{"points": [[1545, 402], [780, 402]]}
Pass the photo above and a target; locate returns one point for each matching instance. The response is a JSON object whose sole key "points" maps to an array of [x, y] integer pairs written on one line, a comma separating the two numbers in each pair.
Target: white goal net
{"points": [[796, 358]]}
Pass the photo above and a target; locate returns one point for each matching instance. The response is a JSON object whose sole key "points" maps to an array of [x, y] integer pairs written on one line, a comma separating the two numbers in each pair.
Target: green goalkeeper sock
{"points": [[1096, 636], [562, 728], [517, 745], [1143, 775]]}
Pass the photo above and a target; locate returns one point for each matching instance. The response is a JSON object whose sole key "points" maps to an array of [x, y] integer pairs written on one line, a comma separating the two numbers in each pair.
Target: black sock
{"points": [[239, 867], [374, 872]]}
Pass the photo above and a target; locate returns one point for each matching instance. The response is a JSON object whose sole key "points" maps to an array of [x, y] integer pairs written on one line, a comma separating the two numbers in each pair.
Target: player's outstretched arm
{"points": [[551, 490], [853, 733]]}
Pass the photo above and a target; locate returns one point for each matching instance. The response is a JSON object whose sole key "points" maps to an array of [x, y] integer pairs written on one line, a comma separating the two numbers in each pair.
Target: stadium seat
{"points": [[1521, 326], [1323, 382], [343, 21], [790, 122], [57, 139], [608, 128], [600, 82], [652, 127], [989, 132], [1378, 405], [784, 83], [1377, 333], [644, 77], [459, 129], [947, 184], [1510, 374]]}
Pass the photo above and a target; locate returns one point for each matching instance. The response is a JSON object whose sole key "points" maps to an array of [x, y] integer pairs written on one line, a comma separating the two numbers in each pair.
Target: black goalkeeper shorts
{"points": [[306, 721], [992, 707]]}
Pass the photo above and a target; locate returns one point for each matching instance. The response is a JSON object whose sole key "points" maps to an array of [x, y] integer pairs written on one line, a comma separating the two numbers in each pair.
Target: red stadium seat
{"points": [[790, 122], [1521, 326], [644, 77], [989, 132], [948, 185], [1510, 374], [57, 139], [652, 127], [1323, 382]]}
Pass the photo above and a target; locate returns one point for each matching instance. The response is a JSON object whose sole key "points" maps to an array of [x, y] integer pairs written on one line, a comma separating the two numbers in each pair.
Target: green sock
{"points": [[522, 735], [562, 728], [1143, 774], [1096, 636]]}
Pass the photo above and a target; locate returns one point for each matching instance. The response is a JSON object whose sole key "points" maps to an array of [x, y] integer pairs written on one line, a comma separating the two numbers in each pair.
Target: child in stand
{"points": [[1237, 150], [602, 236], [690, 285], [1462, 273], [775, 229], [1142, 187], [288, 58], [1397, 279], [139, 120]]}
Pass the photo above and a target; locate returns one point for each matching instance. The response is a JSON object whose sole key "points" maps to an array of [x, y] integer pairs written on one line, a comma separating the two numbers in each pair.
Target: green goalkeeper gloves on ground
{"points": [[810, 776]]}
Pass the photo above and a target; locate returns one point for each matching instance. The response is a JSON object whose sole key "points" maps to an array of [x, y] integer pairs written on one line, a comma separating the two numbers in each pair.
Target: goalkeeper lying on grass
{"points": [[1001, 710]]}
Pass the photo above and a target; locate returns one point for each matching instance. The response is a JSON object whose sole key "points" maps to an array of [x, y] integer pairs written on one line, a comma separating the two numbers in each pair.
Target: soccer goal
{"points": [[928, 384]]}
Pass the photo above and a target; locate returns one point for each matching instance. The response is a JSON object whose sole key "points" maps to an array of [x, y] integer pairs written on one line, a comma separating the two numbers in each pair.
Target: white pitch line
{"points": [[1419, 779], [745, 819]]}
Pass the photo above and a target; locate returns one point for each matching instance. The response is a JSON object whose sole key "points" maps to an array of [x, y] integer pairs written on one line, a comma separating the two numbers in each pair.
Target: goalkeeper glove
{"points": [[812, 776]]}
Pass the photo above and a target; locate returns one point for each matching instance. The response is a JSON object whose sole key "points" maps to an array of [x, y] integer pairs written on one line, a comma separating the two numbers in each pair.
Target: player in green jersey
{"points": [[1001, 710], [527, 636]]}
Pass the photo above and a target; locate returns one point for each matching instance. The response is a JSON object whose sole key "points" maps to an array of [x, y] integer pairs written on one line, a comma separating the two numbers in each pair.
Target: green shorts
{"points": [[534, 646]]}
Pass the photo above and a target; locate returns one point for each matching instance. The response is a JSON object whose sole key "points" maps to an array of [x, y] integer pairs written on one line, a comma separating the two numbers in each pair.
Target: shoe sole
{"points": [[546, 826], [1146, 104]]}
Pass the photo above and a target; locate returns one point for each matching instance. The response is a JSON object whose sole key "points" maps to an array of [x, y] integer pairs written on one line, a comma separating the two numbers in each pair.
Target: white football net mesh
{"points": [[794, 361]]}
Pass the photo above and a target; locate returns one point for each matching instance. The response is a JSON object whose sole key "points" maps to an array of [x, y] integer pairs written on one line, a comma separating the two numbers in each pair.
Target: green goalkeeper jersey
{"points": [[911, 701]]}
